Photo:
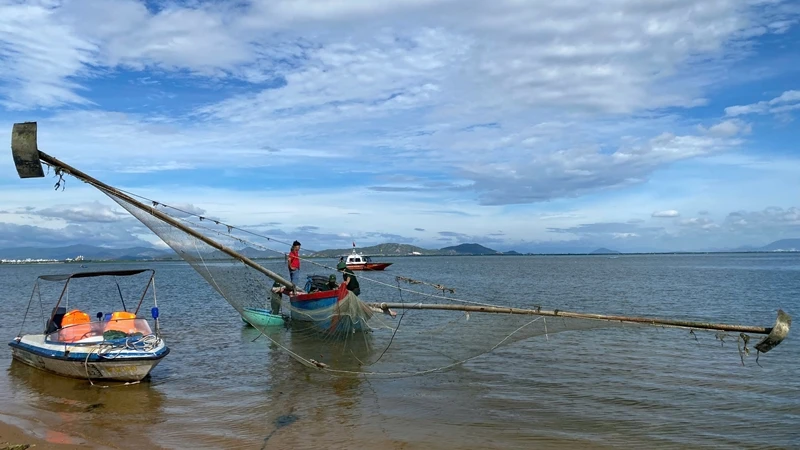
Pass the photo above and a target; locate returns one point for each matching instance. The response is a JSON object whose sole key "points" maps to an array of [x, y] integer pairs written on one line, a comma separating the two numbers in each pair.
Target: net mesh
{"points": [[335, 330]]}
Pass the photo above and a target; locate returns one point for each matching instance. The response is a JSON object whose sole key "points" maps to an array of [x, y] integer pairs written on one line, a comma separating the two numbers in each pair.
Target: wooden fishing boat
{"points": [[330, 311], [119, 345], [260, 317]]}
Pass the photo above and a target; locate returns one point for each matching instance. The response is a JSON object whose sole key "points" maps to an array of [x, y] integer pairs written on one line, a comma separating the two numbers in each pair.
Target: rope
{"points": [[162, 216], [145, 343], [394, 332], [233, 227], [218, 222], [424, 372]]}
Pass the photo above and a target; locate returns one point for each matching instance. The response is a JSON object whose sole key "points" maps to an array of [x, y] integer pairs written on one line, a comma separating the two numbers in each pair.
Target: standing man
{"points": [[349, 279], [293, 261], [276, 298]]}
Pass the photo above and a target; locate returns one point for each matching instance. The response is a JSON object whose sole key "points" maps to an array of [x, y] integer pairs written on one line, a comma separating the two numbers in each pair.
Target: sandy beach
{"points": [[16, 437]]}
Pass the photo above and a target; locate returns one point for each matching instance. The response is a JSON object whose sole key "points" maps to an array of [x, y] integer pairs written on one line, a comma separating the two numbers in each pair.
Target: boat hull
{"points": [[93, 361], [261, 317], [368, 266], [316, 307]]}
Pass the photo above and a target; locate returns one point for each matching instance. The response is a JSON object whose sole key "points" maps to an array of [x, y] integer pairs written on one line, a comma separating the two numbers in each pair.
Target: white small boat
{"points": [[119, 345], [358, 261]]}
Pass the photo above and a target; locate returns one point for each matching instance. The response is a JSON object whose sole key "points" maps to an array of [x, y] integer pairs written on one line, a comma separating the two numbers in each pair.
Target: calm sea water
{"points": [[617, 388]]}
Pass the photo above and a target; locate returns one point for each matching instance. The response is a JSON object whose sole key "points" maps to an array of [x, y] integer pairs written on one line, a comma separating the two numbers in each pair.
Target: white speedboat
{"points": [[119, 345], [358, 261]]}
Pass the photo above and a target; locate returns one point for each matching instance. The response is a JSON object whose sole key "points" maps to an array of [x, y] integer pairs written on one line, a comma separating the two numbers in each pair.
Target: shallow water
{"points": [[221, 387]]}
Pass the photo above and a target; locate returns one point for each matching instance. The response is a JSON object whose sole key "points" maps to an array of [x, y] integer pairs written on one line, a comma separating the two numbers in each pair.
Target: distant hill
{"points": [[468, 249], [389, 249], [604, 251], [96, 253], [783, 245], [251, 253], [89, 252]]}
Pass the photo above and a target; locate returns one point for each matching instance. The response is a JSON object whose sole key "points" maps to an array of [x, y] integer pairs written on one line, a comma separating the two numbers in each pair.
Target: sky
{"points": [[653, 125]]}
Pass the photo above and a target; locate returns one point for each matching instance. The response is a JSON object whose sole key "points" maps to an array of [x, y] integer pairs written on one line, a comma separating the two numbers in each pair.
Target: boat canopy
{"points": [[115, 273]]}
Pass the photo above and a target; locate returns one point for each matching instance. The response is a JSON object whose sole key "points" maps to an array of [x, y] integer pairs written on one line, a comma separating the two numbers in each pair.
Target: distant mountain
{"points": [[89, 252], [251, 253], [783, 245], [604, 251], [557, 248], [468, 249], [389, 249], [744, 248]]}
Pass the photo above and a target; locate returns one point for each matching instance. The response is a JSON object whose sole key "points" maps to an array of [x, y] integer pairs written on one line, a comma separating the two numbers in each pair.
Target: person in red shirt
{"points": [[293, 262]]}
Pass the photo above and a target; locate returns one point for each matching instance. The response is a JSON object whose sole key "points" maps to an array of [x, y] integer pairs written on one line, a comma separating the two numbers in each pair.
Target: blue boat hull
{"points": [[317, 307]]}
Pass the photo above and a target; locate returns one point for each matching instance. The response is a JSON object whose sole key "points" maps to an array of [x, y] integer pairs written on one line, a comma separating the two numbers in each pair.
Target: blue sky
{"points": [[633, 125]]}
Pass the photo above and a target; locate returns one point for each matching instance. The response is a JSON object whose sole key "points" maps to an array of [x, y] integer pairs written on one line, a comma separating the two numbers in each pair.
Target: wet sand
{"points": [[37, 437]]}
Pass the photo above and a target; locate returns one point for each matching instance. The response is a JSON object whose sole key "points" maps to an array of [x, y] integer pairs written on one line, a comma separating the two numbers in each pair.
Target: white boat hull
{"points": [[94, 361]]}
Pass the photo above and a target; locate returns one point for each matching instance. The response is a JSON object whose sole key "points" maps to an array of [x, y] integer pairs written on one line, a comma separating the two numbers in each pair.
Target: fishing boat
{"points": [[261, 317], [330, 311], [120, 345], [357, 261]]}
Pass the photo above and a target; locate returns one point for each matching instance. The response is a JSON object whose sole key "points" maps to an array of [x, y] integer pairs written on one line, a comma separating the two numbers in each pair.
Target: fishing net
{"points": [[340, 332], [408, 326]]}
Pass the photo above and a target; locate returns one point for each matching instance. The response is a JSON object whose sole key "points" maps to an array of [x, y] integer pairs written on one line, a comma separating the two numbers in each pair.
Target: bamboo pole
{"points": [[160, 215], [779, 331]]}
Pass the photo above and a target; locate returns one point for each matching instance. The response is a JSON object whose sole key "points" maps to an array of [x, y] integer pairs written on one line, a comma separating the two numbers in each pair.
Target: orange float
{"points": [[122, 321], [75, 325]]}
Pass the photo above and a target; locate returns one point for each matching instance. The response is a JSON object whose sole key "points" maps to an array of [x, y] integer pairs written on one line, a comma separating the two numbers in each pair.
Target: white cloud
{"points": [[782, 104], [414, 78], [699, 222], [39, 56], [100, 234], [611, 56], [503, 102], [728, 128], [772, 217], [666, 213], [83, 213]]}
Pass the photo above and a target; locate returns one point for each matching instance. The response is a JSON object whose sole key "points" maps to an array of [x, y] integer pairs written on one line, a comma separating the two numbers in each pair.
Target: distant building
{"points": [[27, 261]]}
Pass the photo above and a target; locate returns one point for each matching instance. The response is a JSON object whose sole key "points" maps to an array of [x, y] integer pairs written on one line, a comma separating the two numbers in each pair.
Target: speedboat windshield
{"points": [[98, 331]]}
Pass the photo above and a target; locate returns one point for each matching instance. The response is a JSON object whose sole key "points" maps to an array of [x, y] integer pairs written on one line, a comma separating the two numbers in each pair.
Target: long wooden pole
{"points": [[577, 315], [774, 334], [164, 217]]}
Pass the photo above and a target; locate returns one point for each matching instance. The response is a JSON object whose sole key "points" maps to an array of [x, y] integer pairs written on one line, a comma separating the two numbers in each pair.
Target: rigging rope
{"points": [[427, 340]]}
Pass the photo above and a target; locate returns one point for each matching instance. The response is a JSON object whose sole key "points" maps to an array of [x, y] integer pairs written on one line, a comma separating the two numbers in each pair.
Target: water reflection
{"points": [[111, 411], [220, 388], [303, 405]]}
